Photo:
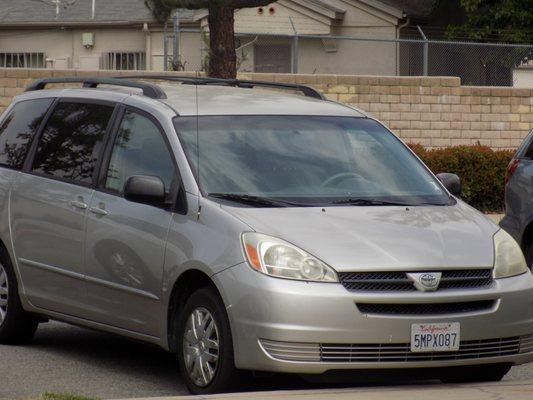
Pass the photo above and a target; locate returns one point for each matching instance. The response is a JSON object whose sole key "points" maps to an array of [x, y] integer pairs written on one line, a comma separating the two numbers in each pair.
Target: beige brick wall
{"points": [[432, 111]]}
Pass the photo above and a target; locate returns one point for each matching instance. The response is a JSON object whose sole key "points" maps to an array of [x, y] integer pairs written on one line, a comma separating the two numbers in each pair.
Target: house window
{"points": [[22, 60], [121, 60]]}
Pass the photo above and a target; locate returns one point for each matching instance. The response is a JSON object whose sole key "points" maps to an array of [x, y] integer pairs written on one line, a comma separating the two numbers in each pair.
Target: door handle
{"points": [[79, 204], [98, 211]]}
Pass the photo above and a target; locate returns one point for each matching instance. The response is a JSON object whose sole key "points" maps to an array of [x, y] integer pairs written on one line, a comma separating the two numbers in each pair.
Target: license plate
{"points": [[427, 338]]}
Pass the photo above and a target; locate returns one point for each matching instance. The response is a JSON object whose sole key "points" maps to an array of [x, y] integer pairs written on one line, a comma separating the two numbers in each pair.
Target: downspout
{"points": [[400, 27]]}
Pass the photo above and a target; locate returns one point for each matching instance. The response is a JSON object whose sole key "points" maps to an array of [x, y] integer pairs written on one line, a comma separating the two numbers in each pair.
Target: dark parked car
{"points": [[518, 220]]}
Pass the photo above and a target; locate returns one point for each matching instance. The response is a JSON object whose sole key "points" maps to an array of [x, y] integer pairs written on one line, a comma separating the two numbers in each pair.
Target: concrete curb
{"points": [[519, 390]]}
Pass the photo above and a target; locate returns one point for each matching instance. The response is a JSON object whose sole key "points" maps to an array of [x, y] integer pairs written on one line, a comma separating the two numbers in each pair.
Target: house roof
{"points": [[325, 7], [72, 12], [413, 8], [18, 12]]}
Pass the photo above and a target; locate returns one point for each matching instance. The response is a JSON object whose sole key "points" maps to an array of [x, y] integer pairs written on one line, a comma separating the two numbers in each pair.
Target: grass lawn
{"points": [[62, 396]]}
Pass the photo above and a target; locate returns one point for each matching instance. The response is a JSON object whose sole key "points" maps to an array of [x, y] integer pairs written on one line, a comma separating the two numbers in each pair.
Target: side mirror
{"points": [[451, 182], [145, 189]]}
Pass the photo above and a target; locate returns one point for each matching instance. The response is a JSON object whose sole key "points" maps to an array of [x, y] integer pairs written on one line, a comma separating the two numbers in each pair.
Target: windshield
{"points": [[305, 160]]}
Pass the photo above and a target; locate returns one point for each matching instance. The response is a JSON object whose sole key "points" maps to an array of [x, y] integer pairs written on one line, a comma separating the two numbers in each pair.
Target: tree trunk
{"points": [[222, 57]]}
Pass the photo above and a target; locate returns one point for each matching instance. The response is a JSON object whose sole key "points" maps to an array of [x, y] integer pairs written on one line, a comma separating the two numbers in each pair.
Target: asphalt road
{"points": [[66, 359]]}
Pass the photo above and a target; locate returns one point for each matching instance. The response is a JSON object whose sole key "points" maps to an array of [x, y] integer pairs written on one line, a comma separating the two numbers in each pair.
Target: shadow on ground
{"points": [[63, 359]]}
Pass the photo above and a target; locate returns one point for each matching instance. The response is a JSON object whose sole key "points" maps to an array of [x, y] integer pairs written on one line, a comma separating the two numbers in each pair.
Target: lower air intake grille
{"points": [[426, 308], [379, 353]]}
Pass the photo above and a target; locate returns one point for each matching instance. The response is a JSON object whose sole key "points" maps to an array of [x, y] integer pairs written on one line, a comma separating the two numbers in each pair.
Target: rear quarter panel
{"points": [[7, 177], [519, 199]]}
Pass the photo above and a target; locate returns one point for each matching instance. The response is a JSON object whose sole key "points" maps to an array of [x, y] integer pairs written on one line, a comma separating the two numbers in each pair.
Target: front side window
{"points": [[18, 129], [308, 160], [72, 140], [139, 149]]}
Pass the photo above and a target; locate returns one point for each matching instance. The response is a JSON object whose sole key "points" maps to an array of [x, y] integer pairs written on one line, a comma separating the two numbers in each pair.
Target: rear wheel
{"points": [[205, 347], [476, 373], [16, 325]]}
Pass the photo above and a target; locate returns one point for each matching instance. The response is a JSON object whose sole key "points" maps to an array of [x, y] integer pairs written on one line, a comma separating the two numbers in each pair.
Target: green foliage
{"points": [[63, 396], [509, 21], [481, 169], [160, 9], [497, 20]]}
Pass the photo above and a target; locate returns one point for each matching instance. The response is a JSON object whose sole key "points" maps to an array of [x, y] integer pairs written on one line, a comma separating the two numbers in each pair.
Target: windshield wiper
{"points": [[255, 200], [370, 202]]}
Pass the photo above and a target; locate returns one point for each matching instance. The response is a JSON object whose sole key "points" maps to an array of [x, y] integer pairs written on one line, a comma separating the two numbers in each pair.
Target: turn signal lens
{"points": [[253, 256], [511, 169]]}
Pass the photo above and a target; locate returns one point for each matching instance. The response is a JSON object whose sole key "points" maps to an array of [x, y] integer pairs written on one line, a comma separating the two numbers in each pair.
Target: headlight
{"points": [[508, 257], [273, 256]]}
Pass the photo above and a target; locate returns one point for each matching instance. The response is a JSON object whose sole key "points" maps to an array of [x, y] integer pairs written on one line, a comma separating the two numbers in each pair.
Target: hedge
{"points": [[481, 169]]}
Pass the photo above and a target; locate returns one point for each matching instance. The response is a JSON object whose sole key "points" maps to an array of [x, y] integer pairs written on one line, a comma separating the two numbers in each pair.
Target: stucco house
{"points": [[122, 34]]}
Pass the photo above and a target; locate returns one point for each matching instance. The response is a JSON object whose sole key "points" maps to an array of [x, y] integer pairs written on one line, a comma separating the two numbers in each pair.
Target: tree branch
{"points": [[249, 3], [190, 4]]}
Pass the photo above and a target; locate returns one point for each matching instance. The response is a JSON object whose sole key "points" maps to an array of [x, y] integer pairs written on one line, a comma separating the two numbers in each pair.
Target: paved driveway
{"points": [[63, 359]]}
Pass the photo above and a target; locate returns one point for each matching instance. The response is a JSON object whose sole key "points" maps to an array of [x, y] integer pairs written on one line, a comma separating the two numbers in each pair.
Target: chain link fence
{"points": [[479, 64]]}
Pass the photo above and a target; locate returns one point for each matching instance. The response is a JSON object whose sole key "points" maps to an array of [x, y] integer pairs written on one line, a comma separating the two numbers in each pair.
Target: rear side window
{"points": [[72, 140], [18, 129]]}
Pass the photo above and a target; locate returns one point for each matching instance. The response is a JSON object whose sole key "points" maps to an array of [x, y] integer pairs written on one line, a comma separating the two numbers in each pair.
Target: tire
{"points": [[476, 373], [214, 376], [16, 325], [529, 256]]}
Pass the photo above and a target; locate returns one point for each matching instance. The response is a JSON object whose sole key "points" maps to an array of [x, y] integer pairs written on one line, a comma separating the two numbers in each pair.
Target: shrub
{"points": [[481, 169]]}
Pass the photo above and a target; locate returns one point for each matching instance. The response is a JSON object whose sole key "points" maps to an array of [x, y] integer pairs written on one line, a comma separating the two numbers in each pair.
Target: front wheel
{"points": [[205, 347], [476, 373]]}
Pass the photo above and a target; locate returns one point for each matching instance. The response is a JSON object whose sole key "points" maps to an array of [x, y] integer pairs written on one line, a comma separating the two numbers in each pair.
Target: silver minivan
{"points": [[248, 226]]}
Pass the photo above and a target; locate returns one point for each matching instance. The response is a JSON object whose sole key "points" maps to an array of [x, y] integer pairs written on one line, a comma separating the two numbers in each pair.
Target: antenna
{"points": [[58, 4]]}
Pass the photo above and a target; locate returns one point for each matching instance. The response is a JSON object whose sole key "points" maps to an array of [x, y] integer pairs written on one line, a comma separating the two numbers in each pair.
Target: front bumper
{"points": [[264, 309]]}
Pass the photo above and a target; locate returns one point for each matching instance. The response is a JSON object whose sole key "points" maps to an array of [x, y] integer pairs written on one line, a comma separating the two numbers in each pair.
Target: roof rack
{"points": [[249, 84], [149, 90]]}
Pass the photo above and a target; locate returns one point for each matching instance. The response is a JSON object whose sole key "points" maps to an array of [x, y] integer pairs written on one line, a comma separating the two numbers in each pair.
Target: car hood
{"points": [[381, 238]]}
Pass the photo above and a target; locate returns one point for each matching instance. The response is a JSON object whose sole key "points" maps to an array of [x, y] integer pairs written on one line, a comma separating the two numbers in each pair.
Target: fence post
{"points": [[165, 48], [426, 51], [176, 41], [295, 48]]}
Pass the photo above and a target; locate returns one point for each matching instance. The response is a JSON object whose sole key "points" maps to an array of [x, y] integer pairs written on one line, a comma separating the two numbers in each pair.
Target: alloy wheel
{"points": [[201, 347], [4, 292]]}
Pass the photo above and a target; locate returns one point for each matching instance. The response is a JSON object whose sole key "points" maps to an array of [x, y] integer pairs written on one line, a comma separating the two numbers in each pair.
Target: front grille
{"points": [[426, 308], [398, 281], [379, 353]]}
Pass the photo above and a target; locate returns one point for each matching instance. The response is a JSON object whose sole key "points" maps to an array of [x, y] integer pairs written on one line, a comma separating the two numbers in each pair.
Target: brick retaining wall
{"points": [[432, 111]]}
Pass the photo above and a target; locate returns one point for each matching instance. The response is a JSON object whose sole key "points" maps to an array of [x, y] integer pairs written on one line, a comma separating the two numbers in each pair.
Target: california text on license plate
{"points": [[435, 337]]}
